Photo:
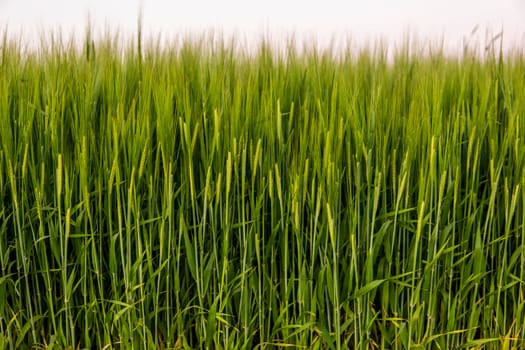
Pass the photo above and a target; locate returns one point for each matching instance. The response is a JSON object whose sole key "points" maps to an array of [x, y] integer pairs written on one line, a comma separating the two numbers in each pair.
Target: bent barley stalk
{"points": [[195, 195]]}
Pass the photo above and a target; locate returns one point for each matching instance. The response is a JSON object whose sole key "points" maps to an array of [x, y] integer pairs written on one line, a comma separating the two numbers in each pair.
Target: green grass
{"points": [[197, 196]]}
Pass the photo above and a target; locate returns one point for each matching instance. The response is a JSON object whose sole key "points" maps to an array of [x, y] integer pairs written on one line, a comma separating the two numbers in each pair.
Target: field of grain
{"points": [[197, 196]]}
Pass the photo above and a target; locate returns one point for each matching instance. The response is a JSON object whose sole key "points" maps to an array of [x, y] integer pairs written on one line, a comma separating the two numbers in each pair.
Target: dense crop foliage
{"points": [[197, 196]]}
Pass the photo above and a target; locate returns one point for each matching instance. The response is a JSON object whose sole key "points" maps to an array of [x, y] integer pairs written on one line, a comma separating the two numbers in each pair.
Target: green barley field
{"points": [[195, 195]]}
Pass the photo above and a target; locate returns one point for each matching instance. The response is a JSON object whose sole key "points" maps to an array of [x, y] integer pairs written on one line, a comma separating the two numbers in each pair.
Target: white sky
{"points": [[362, 20]]}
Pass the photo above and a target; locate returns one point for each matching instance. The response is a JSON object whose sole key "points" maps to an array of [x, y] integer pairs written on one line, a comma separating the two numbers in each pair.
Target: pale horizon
{"points": [[447, 23]]}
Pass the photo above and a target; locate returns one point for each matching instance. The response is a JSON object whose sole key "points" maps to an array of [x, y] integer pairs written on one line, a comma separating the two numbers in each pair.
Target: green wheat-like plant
{"points": [[197, 195]]}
